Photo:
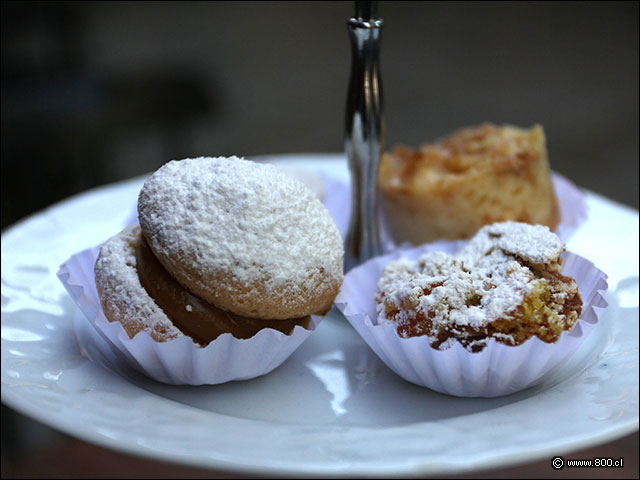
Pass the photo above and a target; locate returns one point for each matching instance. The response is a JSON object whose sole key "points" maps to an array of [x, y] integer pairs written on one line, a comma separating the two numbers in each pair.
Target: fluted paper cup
{"points": [[179, 361], [497, 370]]}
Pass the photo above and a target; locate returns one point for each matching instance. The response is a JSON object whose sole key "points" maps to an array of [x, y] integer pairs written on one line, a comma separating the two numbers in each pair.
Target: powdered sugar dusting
{"points": [[483, 282], [121, 291], [244, 220], [532, 243]]}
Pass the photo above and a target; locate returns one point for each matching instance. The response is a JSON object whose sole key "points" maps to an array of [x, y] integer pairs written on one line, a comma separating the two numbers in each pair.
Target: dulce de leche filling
{"points": [[194, 317]]}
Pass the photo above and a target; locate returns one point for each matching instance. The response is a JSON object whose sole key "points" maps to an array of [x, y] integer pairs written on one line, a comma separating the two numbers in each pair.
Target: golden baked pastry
{"points": [[451, 188], [504, 284], [243, 236], [136, 290], [224, 246]]}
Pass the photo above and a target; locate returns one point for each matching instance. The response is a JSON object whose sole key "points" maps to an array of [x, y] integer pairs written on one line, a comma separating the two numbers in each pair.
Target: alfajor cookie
{"points": [[136, 290], [243, 237]]}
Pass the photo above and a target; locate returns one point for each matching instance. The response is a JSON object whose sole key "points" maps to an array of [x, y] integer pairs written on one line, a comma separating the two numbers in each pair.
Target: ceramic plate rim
{"points": [[479, 461]]}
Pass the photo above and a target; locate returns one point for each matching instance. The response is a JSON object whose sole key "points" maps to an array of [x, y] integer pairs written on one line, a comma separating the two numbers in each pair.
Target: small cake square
{"points": [[450, 188]]}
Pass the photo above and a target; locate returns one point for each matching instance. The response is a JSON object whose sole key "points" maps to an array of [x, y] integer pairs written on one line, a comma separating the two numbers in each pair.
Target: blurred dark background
{"points": [[98, 92], [102, 91]]}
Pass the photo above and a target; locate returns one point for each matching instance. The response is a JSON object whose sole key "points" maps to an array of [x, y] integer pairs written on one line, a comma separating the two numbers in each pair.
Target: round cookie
{"points": [[123, 297], [243, 236], [136, 290]]}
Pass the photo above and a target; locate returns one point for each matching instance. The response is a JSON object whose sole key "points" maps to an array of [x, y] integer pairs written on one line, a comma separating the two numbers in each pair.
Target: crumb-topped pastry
{"points": [[504, 284], [449, 189]]}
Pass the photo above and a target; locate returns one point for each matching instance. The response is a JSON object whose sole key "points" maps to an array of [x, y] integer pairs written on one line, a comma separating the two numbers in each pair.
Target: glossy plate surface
{"points": [[333, 408]]}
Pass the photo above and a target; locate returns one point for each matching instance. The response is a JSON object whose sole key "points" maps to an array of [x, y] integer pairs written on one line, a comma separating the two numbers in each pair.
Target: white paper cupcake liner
{"points": [[178, 361], [573, 206], [497, 370]]}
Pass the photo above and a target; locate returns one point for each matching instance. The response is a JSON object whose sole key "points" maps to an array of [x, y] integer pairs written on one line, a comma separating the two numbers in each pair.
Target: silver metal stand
{"points": [[364, 134]]}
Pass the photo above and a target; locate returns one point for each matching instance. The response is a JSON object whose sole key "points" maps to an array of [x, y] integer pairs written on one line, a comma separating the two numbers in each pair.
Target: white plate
{"points": [[333, 408]]}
